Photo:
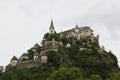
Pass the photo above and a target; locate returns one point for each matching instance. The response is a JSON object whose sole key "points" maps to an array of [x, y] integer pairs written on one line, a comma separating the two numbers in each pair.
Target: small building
{"points": [[12, 65], [24, 57], [13, 61], [36, 45], [34, 48], [36, 55], [1, 69]]}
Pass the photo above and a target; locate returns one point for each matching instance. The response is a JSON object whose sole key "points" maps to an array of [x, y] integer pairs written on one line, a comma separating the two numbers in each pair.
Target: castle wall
{"points": [[28, 64], [23, 65]]}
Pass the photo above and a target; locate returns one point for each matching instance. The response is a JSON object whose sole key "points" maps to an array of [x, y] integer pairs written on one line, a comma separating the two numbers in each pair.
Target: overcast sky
{"points": [[24, 22]]}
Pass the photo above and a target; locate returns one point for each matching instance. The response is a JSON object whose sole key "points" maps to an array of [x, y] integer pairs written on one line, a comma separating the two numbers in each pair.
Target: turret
{"points": [[14, 61], [77, 29], [51, 29]]}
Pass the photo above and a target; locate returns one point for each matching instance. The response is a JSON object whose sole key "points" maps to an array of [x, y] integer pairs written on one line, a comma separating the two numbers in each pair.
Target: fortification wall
{"points": [[28, 64], [24, 65]]}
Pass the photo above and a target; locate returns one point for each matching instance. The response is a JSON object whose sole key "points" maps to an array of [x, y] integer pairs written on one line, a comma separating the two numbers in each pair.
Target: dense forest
{"points": [[71, 63]]}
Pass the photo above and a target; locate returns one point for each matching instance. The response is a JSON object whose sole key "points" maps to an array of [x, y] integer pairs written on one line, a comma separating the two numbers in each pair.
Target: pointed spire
{"points": [[76, 26], [51, 25], [51, 29]]}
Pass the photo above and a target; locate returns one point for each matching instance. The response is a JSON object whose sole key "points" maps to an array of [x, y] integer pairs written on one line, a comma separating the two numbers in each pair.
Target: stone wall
{"points": [[23, 65], [28, 64]]}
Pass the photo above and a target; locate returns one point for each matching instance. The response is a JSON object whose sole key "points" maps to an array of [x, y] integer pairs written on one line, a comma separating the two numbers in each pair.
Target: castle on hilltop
{"points": [[51, 41]]}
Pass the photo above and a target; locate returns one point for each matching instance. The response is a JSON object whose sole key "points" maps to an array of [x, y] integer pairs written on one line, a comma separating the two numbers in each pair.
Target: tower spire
{"points": [[51, 29], [51, 24]]}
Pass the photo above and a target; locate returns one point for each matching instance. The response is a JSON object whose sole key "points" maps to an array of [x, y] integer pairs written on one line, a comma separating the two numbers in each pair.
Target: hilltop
{"points": [[74, 54]]}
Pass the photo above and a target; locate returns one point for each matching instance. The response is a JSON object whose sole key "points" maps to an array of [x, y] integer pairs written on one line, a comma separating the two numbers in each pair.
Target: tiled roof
{"points": [[72, 30], [14, 58], [25, 54], [36, 45], [85, 27]]}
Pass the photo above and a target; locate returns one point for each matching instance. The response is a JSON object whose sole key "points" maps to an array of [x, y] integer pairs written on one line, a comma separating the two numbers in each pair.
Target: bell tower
{"points": [[51, 29]]}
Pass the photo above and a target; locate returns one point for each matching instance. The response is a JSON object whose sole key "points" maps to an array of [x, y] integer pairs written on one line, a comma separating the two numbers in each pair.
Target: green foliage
{"points": [[86, 39], [114, 58], [88, 64], [9, 76], [64, 40], [31, 54], [95, 77], [24, 59], [116, 76], [40, 73], [51, 36], [53, 59], [66, 74], [95, 46], [46, 35]]}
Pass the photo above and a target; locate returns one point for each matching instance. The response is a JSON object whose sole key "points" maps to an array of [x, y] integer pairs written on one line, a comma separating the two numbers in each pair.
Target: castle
{"points": [[51, 43]]}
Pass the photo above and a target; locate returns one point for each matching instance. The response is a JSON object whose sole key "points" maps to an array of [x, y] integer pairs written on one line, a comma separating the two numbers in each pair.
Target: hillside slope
{"points": [[71, 63]]}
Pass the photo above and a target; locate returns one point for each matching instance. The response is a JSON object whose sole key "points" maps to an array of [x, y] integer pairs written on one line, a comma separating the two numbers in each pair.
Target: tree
{"points": [[116, 76], [31, 54], [9, 76], [66, 74], [95, 77], [64, 40], [55, 36]]}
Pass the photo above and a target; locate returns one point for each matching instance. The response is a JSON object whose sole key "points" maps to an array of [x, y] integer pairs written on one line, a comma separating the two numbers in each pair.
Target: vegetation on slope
{"points": [[72, 64]]}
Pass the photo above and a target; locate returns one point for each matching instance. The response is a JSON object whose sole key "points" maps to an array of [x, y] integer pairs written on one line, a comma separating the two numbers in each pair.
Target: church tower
{"points": [[51, 29]]}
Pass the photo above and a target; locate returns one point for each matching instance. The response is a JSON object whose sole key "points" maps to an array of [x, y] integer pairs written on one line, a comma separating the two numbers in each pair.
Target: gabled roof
{"points": [[84, 28], [14, 58], [66, 32], [36, 45], [25, 54], [73, 30]]}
